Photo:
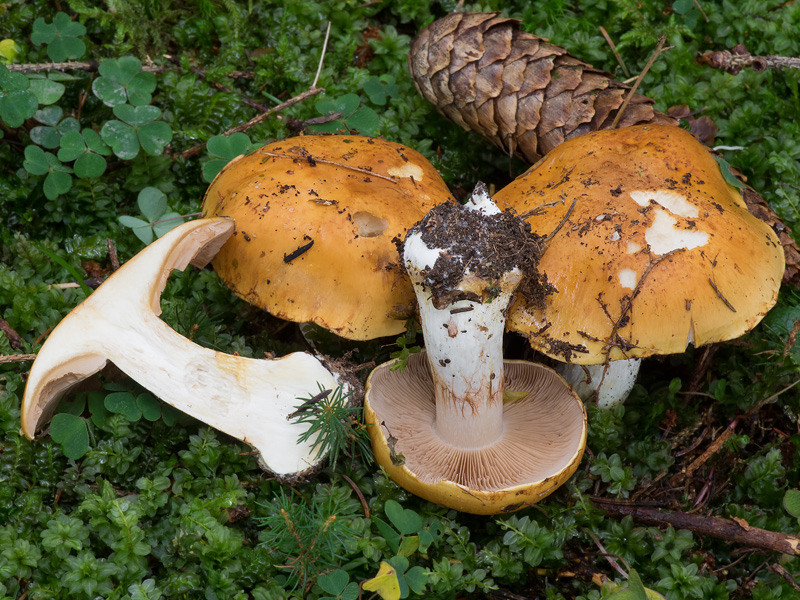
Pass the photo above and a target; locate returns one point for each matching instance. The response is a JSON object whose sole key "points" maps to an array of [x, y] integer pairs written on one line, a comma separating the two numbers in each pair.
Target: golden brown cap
{"points": [[315, 218], [658, 252], [543, 439]]}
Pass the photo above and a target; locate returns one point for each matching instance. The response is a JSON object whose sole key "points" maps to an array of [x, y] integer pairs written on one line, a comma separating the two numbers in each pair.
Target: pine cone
{"points": [[527, 96], [521, 93]]}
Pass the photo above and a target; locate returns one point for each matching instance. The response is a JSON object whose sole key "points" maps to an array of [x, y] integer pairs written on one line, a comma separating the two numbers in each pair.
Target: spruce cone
{"points": [[521, 93], [527, 96]]}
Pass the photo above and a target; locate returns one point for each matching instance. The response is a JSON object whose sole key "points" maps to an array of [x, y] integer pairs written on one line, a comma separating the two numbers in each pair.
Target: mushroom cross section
{"points": [[247, 398], [446, 427]]}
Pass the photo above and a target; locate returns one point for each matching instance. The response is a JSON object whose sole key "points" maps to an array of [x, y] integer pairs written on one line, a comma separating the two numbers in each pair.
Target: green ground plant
{"points": [[123, 498]]}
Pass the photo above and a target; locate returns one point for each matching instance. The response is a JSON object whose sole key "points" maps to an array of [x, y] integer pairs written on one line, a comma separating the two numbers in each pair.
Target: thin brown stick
{"points": [[639, 79], [92, 66], [779, 570], [15, 358], [614, 50], [359, 493], [700, 8], [256, 120], [740, 58], [305, 157], [734, 532]]}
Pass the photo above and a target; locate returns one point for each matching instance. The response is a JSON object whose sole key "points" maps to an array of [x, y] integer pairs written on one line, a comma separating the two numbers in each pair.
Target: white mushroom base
{"points": [[612, 383], [543, 438]]}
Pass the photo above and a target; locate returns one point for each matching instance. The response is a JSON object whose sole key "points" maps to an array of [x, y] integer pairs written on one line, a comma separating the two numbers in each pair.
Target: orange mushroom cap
{"points": [[315, 219], [657, 252]]}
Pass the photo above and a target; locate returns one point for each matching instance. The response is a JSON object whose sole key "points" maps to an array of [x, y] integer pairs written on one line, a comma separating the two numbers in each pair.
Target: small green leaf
{"points": [[122, 70], [334, 582], [68, 124], [71, 434], [110, 92], [416, 579], [35, 161], [154, 137], [9, 49], [95, 143], [136, 115], [98, 408], [228, 146], [636, 586], [791, 502], [365, 120], [167, 222], [17, 101], [170, 414], [725, 169], [682, 7], [122, 138], [149, 406], [47, 91], [61, 37], [67, 26], [43, 33], [47, 137], [74, 406], [57, 183], [141, 229], [212, 168], [72, 146], [140, 88], [89, 165], [123, 403], [49, 115], [152, 202], [408, 545], [406, 520], [390, 535]]}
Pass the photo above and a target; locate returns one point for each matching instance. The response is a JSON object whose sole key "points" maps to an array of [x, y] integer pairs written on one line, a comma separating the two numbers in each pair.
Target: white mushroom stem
{"points": [[247, 398], [464, 345], [612, 382]]}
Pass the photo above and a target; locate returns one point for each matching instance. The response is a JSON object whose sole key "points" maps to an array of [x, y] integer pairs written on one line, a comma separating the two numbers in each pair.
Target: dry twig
{"points": [[639, 79]]}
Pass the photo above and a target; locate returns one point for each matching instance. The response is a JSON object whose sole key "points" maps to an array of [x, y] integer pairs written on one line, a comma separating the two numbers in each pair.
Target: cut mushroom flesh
{"points": [[249, 399], [461, 444]]}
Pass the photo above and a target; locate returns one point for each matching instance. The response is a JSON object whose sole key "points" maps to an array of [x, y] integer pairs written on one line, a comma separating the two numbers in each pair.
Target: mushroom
{"points": [[654, 250], [458, 425], [247, 398], [315, 218]]}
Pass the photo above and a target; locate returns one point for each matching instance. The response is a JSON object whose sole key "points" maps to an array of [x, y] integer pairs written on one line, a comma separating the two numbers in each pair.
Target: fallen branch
{"points": [[740, 58], [638, 82], [16, 358], [732, 531]]}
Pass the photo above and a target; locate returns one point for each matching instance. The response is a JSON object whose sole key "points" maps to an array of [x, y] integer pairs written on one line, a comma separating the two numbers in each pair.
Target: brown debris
{"points": [[740, 58]]}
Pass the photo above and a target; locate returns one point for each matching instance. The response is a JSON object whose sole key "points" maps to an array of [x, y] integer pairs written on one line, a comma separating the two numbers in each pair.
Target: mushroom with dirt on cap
{"points": [[654, 251], [315, 218], [458, 425], [246, 398]]}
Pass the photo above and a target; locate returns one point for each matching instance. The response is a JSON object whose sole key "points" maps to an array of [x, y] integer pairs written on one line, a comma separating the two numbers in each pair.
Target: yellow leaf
{"points": [[385, 583], [8, 50], [509, 396]]}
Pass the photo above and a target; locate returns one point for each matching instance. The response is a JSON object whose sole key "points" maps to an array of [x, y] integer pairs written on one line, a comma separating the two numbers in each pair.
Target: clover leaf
{"points": [[61, 37], [347, 115], [17, 101], [137, 127], [152, 203], [38, 162], [46, 89], [122, 80], [378, 89], [85, 148], [69, 431], [224, 149]]}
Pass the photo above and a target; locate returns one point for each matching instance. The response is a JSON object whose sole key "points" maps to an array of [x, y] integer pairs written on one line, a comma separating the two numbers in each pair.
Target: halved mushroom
{"points": [[443, 427], [246, 398], [654, 249]]}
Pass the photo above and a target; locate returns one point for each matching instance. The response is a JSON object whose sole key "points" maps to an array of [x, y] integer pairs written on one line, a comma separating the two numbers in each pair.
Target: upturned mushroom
{"points": [[440, 427], [247, 398], [654, 250], [315, 218]]}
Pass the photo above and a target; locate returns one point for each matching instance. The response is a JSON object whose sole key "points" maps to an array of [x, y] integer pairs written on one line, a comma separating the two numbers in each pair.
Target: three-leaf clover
{"points": [[87, 149], [17, 100], [378, 89], [224, 149], [337, 583], [122, 80], [61, 36], [348, 115], [137, 126], [39, 162], [153, 205]]}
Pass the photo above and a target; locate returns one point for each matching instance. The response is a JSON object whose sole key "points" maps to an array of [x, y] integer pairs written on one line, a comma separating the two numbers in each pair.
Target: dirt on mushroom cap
{"points": [[315, 218], [659, 252]]}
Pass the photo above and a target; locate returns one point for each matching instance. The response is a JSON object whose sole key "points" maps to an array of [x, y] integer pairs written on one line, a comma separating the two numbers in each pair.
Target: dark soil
{"points": [[485, 246]]}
